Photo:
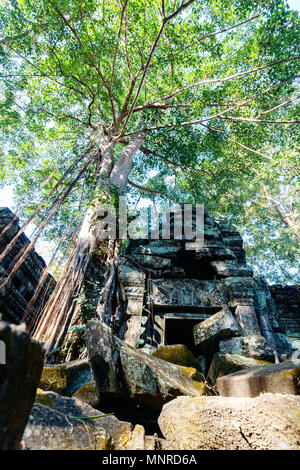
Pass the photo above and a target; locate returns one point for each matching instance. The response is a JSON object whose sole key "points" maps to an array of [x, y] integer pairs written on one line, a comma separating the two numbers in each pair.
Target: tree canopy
{"points": [[211, 86]]}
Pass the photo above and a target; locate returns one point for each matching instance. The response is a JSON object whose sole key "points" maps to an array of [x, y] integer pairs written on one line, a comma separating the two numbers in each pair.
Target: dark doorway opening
{"points": [[180, 332]]}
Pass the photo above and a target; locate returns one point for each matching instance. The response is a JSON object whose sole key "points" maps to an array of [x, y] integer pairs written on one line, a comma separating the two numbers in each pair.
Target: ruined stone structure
{"points": [[207, 299], [287, 301], [15, 297]]}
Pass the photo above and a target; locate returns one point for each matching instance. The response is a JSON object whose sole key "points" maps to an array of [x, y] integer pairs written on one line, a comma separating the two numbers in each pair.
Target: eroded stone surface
{"points": [[188, 293], [275, 378], [62, 423], [246, 316], [67, 377], [268, 422], [177, 354], [157, 248], [255, 346], [224, 364], [121, 370], [218, 326], [19, 378], [88, 393], [15, 296], [154, 382]]}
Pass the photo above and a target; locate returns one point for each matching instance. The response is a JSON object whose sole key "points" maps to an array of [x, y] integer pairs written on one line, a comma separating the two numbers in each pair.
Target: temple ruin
{"points": [[206, 298], [15, 297]]}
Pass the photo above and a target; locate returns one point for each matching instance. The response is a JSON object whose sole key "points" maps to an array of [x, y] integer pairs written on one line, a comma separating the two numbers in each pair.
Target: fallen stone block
{"points": [[20, 373], [224, 364], [67, 377], [121, 371], [88, 394], [177, 354], [267, 422], [139, 441], [281, 378], [219, 326], [255, 346], [63, 423], [152, 381]]}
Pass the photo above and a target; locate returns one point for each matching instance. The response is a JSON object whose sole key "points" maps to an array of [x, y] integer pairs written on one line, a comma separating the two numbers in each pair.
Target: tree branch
{"points": [[117, 45], [279, 106], [143, 188], [261, 121], [154, 46], [167, 160], [43, 74], [95, 66], [126, 48], [235, 141], [224, 79], [215, 33], [68, 116], [217, 115], [69, 75], [232, 105], [182, 7]]}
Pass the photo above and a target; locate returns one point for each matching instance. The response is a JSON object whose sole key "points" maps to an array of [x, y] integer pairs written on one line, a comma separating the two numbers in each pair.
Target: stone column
{"points": [[133, 285]]}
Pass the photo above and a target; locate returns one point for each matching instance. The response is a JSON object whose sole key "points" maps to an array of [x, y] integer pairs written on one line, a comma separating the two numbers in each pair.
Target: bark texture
{"points": [[91, 265]]}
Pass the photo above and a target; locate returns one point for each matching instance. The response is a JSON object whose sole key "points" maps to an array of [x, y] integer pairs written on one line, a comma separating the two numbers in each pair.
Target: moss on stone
{"points": [[176, 354], [43, 398], [196, 380], [102, 442], [225, 363], [54, 378], [201, 387], [65, 378], [87, 393], [192, 373], [292, 372], [247, 359]]}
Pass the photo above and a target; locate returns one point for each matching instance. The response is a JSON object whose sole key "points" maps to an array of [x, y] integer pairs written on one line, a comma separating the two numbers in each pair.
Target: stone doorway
{"points": [[176, 327], [179, 331]]}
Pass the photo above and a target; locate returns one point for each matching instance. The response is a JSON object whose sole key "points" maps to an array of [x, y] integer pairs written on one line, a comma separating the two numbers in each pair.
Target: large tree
{"points": [[199, 95]]}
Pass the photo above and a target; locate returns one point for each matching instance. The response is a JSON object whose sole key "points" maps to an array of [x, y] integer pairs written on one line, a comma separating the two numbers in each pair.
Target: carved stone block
{"points": [[133, 330], [218, 326], [246, 316], [187, 292]]}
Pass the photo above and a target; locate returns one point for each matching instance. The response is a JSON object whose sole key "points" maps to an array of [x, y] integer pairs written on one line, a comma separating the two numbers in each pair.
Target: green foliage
{"points": [[68, 67]]}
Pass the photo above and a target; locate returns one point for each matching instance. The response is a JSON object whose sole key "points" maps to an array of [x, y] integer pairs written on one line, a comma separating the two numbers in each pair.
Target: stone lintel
{"points": [[187, 293]]}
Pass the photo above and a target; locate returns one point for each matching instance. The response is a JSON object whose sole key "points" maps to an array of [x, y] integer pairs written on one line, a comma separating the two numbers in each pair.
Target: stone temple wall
{"points": [[15, 297], [207, 299], [287, 302]]}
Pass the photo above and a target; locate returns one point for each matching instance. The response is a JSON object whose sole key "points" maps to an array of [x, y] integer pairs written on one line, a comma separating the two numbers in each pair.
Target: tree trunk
{"points": [[93, 261]]}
